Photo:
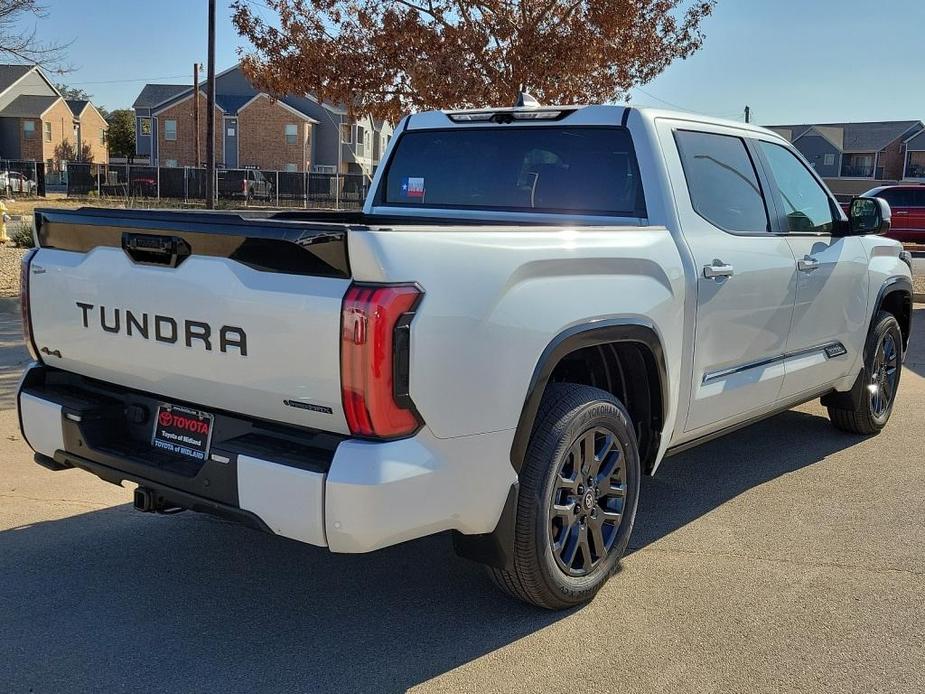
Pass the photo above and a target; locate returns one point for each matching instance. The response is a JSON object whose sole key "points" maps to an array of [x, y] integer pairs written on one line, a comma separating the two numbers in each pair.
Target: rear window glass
{"points": [[542, 169], [722, 181]]}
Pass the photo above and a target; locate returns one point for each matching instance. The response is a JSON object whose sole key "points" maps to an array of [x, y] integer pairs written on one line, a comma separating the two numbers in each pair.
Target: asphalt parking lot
{"points": [[786, 557]]}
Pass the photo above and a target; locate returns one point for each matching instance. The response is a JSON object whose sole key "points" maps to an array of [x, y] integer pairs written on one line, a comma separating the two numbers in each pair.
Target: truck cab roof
{"points": [[570, 114]]}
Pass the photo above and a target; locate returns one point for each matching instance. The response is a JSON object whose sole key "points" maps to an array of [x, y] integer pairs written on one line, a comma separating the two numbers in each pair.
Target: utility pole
{"points": [[748, 114], [210, 115], [196, 115]]}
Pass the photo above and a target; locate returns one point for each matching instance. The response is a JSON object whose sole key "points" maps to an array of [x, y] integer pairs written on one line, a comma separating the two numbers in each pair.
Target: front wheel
{"points": [[879, 380], [579, 488]]}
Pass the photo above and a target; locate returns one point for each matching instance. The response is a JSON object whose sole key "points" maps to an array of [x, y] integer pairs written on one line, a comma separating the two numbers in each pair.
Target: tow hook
{"points": [[145, 500], [148, 501]]}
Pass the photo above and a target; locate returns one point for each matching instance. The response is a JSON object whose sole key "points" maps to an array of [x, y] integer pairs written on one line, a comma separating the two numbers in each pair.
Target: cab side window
{"points": [[722, 181], [805, 203]]}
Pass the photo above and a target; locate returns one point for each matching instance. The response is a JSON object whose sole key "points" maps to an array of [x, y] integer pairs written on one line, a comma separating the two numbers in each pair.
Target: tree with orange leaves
{"points": [[389, 57]]}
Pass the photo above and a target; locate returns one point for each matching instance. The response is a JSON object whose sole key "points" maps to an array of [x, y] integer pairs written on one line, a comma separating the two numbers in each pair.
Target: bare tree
{"points": [[20, 40]]}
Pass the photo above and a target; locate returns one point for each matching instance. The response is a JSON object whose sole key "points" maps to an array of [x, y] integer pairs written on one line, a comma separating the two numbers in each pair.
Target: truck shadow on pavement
{"points": [[692, 484], [114, 599]]}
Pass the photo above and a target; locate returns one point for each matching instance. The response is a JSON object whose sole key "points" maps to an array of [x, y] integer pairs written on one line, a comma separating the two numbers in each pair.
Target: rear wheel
{"points": [[579, 488], [879, 381]]}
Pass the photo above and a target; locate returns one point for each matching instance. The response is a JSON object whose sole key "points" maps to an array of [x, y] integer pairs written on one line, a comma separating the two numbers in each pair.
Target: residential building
{"points": [[151, 96], [89, 129], [915, 157], [851, 156], [35, 118], [253, 129]]}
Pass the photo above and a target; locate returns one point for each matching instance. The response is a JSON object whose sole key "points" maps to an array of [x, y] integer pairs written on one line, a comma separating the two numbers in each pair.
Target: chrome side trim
{"points": [[831, 350]]}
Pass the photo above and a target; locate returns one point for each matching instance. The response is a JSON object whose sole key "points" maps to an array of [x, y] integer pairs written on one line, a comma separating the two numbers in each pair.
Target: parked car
{"points": [[535, 307], [249, 184], [907, 203], [15, 182]]}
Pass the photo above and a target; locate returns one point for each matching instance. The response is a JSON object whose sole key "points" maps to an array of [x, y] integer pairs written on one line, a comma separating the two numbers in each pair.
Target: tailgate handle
{"points": [[153, 249]]}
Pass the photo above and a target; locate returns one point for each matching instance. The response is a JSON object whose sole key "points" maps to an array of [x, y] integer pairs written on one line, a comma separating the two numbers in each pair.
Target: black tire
{"points": [[875, 393], [573, 419]]}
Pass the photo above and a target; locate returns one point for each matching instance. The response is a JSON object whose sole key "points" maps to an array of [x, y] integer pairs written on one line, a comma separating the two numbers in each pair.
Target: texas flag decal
{"points": [[413, 188]]}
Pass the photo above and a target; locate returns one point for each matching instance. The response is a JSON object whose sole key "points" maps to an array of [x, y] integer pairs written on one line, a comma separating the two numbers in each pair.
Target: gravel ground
{"points": [[10, 259]]}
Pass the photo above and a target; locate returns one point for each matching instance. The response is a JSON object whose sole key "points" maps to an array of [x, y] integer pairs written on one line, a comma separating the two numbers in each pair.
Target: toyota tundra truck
{"points": [[535, 307]]}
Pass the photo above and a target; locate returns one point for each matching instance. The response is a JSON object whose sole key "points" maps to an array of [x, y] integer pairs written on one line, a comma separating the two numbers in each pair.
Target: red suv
{"points": [[908, 206]]}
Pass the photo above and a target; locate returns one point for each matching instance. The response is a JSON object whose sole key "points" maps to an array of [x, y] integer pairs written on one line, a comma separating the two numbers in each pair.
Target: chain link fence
{"points": [[233, 187]]}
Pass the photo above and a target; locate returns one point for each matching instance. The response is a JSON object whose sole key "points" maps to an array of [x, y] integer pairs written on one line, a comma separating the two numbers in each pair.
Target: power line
{"points": [[736, 114], [138, 79], [664, 101]]}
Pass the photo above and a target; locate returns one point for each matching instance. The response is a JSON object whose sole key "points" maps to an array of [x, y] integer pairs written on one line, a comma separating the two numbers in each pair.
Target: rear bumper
{"points": [[321, 489]]}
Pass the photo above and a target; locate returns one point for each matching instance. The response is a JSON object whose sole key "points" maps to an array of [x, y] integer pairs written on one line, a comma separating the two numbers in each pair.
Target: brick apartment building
{"points": [[252, 129], [854, 157], [35, 118]]}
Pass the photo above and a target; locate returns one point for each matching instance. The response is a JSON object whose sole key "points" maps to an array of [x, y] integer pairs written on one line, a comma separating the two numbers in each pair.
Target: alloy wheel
{"points": [[884, 374], [587, 503]]}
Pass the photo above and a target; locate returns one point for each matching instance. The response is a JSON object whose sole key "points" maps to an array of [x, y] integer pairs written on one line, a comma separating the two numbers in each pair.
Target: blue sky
{"points": [[790, 60]]}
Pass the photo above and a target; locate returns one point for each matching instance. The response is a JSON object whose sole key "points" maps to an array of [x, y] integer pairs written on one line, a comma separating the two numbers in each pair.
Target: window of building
{"points": [[857, 165], [291, 168], [361, 141], [145, 126], [47, 132], [102, 136], [804, 201], [292, 133], [170, 129], [722, 181], [829, 160], [915, 167], [28, 129], [171, 163], [346, 133]]}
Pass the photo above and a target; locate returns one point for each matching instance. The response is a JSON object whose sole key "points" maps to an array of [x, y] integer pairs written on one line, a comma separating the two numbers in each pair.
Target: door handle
{"points": [[718, 270], [807, 264], [900, 212]]}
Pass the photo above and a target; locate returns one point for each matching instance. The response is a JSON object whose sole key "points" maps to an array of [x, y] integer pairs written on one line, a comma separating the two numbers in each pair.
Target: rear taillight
{"points": [[374, 359], [24, 303]]}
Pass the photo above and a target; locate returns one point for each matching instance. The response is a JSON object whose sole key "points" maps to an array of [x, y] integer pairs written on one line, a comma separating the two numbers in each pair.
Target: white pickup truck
{"points": [[535, 307]]}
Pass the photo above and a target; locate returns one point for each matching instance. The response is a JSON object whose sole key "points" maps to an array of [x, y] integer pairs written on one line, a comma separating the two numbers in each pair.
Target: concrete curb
{"points": [[918, 298]]}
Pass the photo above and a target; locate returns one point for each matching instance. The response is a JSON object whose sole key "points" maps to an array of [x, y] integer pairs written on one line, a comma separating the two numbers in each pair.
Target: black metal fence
{"points": [[236, 187]]}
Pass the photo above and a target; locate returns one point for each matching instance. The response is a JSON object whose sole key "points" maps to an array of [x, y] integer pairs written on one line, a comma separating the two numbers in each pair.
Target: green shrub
{"points": [[22, 235]]}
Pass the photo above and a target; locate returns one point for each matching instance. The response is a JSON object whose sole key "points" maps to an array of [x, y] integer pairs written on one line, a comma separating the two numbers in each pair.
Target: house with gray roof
{"points": [[35, 119], [875, 151], [255, 129]]}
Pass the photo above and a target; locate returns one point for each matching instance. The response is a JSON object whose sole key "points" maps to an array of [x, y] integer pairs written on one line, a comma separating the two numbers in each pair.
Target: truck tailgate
{"points": [[212, 310]]}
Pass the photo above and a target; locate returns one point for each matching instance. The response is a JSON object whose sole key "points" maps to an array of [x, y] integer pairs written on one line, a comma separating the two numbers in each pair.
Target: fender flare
{"points": [[495, 548], [851, 398], [593, 333], [893, 285]]}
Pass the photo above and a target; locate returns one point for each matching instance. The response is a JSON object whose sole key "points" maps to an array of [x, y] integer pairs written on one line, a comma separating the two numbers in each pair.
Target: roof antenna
{"points": [[525, 100]]}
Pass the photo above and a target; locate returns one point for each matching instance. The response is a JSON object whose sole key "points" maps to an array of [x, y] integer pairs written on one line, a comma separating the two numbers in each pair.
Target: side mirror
{"points": [[869, 216]]}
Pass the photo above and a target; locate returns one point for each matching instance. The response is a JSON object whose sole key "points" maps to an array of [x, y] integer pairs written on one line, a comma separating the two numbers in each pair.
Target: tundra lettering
{"points": [[525, 318], [165, 328]]}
